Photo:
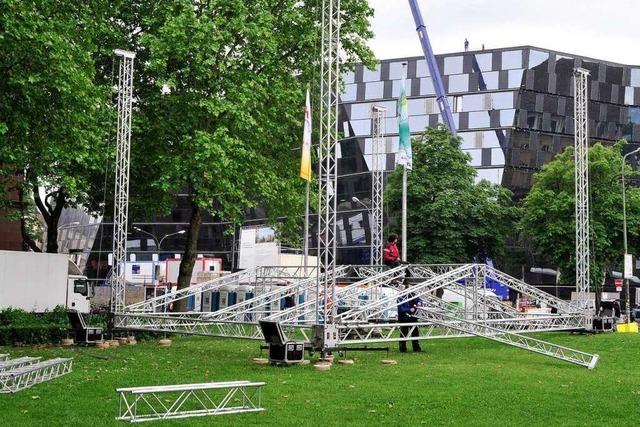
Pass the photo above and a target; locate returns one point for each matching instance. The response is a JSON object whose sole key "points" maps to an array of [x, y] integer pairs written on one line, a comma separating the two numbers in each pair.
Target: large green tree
{"points": [[53, 116], [220, 92], [549, 220], [450, 218]]}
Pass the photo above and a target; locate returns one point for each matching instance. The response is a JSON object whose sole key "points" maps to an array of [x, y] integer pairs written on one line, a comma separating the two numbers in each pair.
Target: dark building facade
{"points": [[513, 108]]}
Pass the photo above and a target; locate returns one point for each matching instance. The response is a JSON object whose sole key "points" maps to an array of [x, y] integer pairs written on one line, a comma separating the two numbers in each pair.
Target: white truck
{"points": [[39, 282]]}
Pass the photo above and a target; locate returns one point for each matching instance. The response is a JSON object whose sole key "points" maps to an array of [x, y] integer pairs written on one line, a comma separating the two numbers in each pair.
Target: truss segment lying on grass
{"points": [[25, 376], [139, 404]]}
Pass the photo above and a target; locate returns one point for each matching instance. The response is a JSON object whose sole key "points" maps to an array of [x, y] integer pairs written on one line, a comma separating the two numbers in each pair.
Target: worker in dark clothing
{"points": [[466, 45], [391, 254], [407, 306]]}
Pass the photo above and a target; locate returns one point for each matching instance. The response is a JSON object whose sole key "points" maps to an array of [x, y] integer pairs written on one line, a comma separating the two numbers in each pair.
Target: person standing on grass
{"points": [[407, 307], [391, 254]]}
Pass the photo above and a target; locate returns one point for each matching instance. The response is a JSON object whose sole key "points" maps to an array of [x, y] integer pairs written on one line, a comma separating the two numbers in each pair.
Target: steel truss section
{"points": [[327, 161], [524, 342], [198, 324], [581, 116], [121, 192], [377, 307], [256, 276], [260, 306], [346, 296], [378, 164], [139, 404], [8, 365], [355, 334], [18, 379]]}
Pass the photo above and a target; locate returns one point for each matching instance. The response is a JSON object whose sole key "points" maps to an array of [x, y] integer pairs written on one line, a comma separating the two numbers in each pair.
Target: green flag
{"points": [[404, 156]]}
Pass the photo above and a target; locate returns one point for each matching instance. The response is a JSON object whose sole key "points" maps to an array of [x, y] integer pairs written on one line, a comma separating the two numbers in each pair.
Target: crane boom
{"points": [[441, 96]]}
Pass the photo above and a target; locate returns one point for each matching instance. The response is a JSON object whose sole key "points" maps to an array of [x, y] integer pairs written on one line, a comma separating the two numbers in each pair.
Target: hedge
{"points": [[32, 334]]}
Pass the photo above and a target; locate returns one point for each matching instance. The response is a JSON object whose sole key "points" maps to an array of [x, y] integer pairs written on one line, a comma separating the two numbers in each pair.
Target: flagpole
{"points": [[403, 255], [306, 231], [404, 214]]}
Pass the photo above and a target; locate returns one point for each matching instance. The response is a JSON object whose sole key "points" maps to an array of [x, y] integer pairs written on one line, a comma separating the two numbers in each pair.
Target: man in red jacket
{"points": [[391, 254]]}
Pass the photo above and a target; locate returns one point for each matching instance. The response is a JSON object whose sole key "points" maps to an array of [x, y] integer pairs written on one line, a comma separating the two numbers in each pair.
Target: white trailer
{"points": [[39, 282]]}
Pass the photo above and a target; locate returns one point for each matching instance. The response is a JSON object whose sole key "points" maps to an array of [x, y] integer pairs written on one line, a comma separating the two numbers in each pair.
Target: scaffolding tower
{"points": [[378, 160], [580, 108], [121, 193], [327, 161]]}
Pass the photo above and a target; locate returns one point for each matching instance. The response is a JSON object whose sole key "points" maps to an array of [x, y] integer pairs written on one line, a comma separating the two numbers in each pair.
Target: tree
{"points": [[549, 217], [450, 218], [53, 117], [220, 87]]}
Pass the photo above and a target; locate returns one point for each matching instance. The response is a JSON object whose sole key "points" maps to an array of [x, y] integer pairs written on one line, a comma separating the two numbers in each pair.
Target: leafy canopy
{"points": [[450, 218], [549, 218]]}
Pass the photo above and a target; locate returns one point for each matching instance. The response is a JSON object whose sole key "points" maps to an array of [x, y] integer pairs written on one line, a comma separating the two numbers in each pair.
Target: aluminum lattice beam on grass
{"points": [[138, 404]]}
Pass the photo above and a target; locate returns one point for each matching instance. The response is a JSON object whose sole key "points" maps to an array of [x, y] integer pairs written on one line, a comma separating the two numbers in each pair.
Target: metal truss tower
{"points": [[580, 108], [328, 166], [121, 194], [378, 159]]}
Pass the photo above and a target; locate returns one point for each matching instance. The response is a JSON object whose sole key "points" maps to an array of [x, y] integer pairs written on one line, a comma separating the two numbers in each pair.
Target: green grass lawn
{"points": [[455, 382]]}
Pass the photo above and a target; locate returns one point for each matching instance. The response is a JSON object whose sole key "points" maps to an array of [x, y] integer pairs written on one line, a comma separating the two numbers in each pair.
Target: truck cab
{"points": [[79, 293]]}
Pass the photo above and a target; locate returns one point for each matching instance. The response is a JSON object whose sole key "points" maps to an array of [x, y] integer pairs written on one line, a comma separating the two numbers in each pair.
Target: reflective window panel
{"points": [[395, 71], [536, 58], [459, 83], [511, 59], [485, 61], [374, 90], [396, 88], [349, 93], [371, 75], [453, 65]]}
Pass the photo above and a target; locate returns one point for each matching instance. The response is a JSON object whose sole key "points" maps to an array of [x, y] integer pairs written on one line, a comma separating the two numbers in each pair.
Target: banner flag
{"points": [[404, 156], [305, 163]]}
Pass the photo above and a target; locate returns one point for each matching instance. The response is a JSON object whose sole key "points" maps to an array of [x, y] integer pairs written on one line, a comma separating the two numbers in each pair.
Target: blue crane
{"points": [[441, 96]]}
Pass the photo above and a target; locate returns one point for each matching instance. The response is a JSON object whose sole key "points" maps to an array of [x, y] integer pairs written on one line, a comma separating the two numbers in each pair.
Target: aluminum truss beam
{"points": [[198, 324], [358, 334], [327, 161], [483, 330], [121, 192], [260, 306], [27, 376], [139, 404], [19, 362], [256, 276], [581, 135], [301, 314], [378, 160]]}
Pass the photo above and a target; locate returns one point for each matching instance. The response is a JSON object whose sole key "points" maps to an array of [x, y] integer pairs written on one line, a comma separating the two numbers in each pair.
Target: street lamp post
{"points": [[624, 233], [354, 199], [158, 245]]}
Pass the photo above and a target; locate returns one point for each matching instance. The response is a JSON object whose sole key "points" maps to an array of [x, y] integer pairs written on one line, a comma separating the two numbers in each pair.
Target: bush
{"points": [[17, 325], [32, 334]]}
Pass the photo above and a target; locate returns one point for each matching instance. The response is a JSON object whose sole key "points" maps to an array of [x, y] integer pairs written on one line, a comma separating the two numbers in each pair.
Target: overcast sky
{"points": [[601, 29]]}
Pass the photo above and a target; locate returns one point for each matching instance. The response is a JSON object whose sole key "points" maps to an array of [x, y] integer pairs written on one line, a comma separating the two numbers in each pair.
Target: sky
{"points": [[601, 29]]}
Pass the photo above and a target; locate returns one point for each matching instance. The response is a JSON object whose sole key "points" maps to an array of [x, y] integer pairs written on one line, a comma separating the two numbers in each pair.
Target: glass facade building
{"points": [[513, 108]]}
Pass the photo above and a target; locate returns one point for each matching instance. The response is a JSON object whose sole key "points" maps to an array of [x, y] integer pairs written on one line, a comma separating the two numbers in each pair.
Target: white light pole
{"points": [[158, 244], [624, 233], [354, 199]]}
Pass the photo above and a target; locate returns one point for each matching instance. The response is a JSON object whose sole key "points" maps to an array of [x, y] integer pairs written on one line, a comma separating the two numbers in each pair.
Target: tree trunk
{"points": [[27, 240], [190, 251]]}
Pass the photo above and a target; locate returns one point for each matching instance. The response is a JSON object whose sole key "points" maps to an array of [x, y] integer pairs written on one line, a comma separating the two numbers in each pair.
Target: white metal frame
{"points": [[327, 158], [121, 191], [378, 160], [581, 116], [26, 376], [138, 404]]}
